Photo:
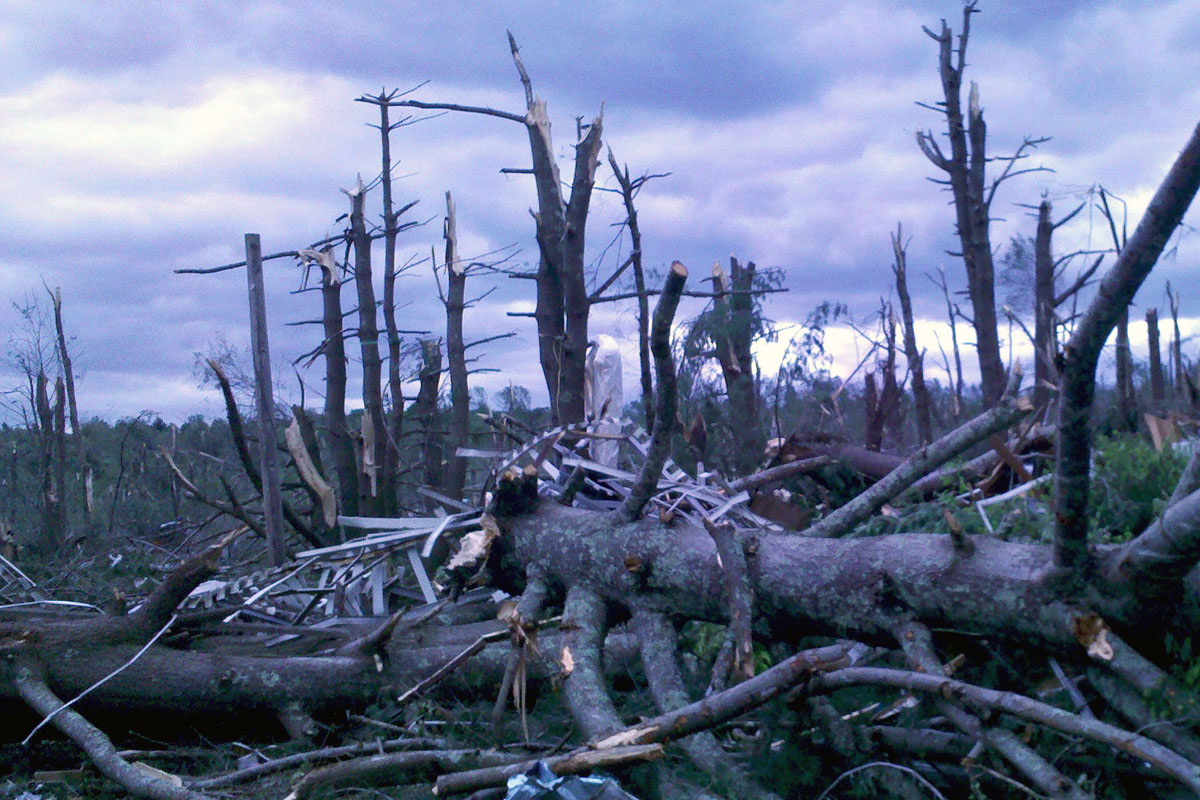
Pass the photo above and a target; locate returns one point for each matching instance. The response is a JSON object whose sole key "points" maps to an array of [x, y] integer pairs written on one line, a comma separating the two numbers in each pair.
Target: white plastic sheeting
{"points": [[603, 391]]}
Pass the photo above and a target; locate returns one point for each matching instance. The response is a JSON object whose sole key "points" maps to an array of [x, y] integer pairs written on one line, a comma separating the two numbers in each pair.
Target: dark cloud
{"points": [[143, 138]]}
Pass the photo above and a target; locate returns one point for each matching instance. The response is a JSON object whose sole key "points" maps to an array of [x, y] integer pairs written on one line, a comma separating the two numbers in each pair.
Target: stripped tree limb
{"points": [[915, 640], [629, 190], [1082, 354], [731, 553], [300, 759], [92, 740], [586, 692], [1008, 410], [1018, 706], [230, 509], [238, 432], [392, 768], [659, 645], [779, 473], [665, 400], [733, 702], [1131, 704]]}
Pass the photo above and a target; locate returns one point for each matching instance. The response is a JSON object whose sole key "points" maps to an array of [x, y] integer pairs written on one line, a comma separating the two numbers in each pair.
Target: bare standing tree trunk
{"points": [[966, 176], [64, 357], [456, 355], [1043, 327], [53, 519], [629, 189], [1176, 348], [563, 304], [341, 445], [376, 488], [264, 396], [426, 410], [1158, 393], [395, 416], [733, 337], [916, 360]]}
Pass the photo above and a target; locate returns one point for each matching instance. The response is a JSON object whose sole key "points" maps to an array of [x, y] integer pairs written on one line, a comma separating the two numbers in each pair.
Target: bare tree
{"points": [[456, 357], [426, 410], [1158, 391], [966, 170], [629, 190], [916, 358], [563, 304], [376, 487]]}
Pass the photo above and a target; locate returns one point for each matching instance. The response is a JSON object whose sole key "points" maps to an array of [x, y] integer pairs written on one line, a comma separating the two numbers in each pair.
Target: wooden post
{"points": [[265, 402]]}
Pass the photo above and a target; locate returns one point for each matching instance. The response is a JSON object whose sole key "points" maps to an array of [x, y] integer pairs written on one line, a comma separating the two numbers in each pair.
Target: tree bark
{"points": [[1158, 392], [341, 445], [264, 401], [1125, 391], [966, 171], [1044, 344], [733, 337], [376, 488], [456, 355], [426, 410], [1082, 353], [916, 361]]}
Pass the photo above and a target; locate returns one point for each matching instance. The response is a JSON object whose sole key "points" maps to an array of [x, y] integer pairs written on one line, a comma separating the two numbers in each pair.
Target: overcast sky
{"points": [[139, 138]]}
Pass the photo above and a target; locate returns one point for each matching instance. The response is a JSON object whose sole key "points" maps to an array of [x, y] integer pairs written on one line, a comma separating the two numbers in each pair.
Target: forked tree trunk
{"points": [[733, 339], [376, 488], [966, 171], [563, 304]]}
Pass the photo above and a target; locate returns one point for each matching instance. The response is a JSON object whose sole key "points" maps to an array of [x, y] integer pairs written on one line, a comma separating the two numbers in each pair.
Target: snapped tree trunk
{"points": [[376, 488], [965, 169], [456, 355], [341, 445], [916, 365], [426, 410], [628, 191], [53, 520], [733, 338], [1044, 344], [1158, 392]]}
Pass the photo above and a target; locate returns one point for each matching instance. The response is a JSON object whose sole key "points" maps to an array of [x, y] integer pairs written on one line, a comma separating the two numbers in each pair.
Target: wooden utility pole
{"points": [[265, 402]]}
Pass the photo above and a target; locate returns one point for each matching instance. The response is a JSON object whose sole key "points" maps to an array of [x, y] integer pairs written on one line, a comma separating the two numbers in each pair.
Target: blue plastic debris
{"points": [[539, 783]]}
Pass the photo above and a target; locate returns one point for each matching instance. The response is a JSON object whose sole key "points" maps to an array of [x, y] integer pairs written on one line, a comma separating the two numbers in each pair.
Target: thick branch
{"points": [[1018, 706], [93, 742], [664, 415], [1082, 353], [925, 461]]}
